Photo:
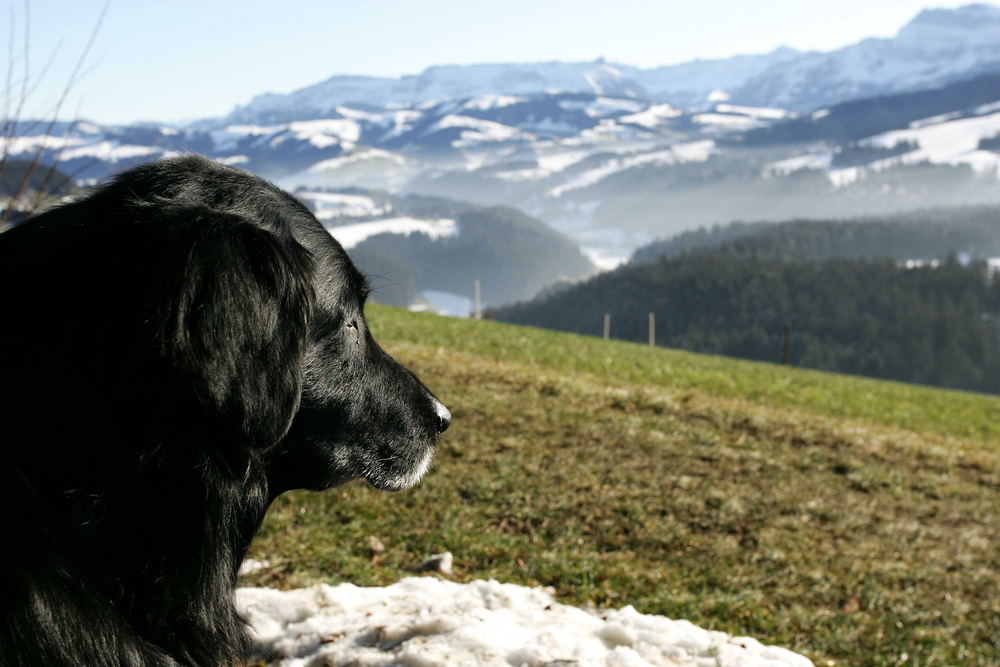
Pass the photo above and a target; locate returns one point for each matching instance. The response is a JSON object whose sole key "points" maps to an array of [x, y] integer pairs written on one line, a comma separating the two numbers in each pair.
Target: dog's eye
{"points": [[352, 325]]}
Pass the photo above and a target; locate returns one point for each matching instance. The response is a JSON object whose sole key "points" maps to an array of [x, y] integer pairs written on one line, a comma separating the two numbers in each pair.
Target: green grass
{"points": [[853, 520]]}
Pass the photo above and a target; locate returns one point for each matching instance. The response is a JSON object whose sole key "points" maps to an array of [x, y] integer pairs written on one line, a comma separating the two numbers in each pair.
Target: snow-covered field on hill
{"points": [[351, 235], [329, 205], [423, 621]]}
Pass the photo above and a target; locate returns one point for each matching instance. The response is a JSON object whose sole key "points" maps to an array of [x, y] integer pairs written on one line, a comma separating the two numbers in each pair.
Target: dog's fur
{"points": [[176, 350]]}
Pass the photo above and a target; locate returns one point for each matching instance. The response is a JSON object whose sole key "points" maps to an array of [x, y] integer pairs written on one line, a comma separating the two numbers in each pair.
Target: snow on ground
{"points": [[492, 101], [320, 133], [327, 205], [603, 106], [557, 161], [252, 565], [727, 121], [351, 235], [695, 151], [476, 130], [548, 162], [784, 167], [326, 132], [229, 137], [940, 140], [429, 621], [72, 148], [655, 115], [398, 122], [755, 112], [30, 144], [111, 151], [366, 155], [945, 142]]}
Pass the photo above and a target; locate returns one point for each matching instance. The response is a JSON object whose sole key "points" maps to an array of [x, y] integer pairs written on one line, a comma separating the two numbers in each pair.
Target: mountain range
{"points": [[613, 156], [936, 47]]}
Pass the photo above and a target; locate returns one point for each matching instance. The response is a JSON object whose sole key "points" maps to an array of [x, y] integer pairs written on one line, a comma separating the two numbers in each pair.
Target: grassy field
{"points": [[852, 520]]}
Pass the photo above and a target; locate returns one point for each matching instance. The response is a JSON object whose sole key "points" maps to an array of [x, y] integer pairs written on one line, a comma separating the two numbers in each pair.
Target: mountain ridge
{"points": [[936, 46]]}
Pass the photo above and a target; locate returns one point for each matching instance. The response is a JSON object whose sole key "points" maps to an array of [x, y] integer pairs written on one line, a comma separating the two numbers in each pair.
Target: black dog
{"points": [[176, 350]]}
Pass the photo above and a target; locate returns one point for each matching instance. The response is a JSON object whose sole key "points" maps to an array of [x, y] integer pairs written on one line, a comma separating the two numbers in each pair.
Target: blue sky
{"points": [[169, 60]]}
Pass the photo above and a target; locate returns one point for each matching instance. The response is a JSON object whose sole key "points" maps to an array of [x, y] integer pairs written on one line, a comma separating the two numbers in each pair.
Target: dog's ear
{"points": [[227, 325]]}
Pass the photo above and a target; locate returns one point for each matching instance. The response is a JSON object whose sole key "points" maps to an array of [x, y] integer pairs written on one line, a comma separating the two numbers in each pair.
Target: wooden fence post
{"points": [[652, 330], [607, 326], [477, 311], [784, 347]]}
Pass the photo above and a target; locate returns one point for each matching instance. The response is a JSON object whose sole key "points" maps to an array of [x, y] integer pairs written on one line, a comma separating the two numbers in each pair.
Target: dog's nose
{"points": [[443, 416]]}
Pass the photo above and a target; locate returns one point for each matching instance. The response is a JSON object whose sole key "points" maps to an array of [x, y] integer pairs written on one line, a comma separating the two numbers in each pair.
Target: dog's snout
{"points": [[443, 415]]}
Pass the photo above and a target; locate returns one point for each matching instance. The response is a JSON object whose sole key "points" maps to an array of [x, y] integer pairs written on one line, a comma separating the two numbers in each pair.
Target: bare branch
{"points": [[70, 83]]}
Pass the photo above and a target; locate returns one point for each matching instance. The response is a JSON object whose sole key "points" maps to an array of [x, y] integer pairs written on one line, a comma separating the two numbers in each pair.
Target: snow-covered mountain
{"points": [[937, 46], [614, 166], [446, 82], [383, 147]]}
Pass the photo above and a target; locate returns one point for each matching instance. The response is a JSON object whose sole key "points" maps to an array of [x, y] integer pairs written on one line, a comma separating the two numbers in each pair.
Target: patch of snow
{"points": [[550, 125], [327, 205], [655, 115], [359, 156], [756, 112], [934, 120], [843, 177], [727, 121], [986, 108], [603, 106], [30, 144], [353, 234], [695, 151], [718, 96], [944, 142], [809, 161], [326, 132], [227, 138], [428, 621], [486, 102], [354, 114], [108, 151], [401, 122], [476, 130], [554, 162], [251, 565], [529, 174]]}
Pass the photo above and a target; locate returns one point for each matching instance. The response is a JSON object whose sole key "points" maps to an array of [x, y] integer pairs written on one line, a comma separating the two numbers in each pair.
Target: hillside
{"points": [[861, 118], [845, 518], [922, 234], [932, 325], [426, 252]]}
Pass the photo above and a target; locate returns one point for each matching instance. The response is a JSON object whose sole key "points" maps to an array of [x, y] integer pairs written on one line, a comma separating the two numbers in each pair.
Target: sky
{"points": [[176, 60]]}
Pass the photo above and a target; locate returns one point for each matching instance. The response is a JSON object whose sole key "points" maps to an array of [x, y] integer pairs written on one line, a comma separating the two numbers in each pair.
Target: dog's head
{"points": [[362, 414], [188, 302]]}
